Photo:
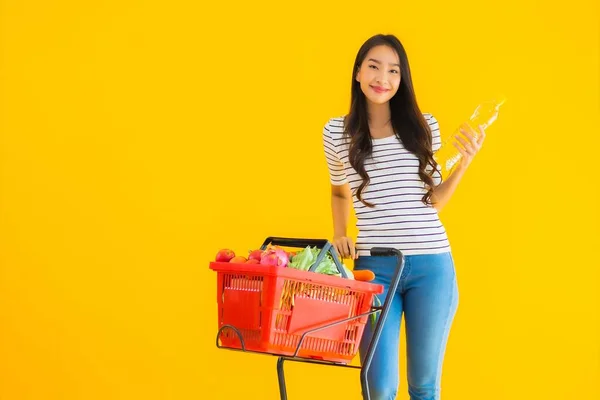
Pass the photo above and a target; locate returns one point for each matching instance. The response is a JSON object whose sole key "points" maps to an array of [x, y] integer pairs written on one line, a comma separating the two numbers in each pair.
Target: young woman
{"points": [[380, 160]]}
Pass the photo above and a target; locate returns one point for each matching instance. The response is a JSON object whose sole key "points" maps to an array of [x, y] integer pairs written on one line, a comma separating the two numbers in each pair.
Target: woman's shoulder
{"points": [[335, 124], [334, 129], [431, 120], [428, 116], [333, 133]]}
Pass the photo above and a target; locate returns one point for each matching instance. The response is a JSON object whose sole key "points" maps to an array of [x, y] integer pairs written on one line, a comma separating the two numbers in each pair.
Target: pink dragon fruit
{"points": [[276, 257]]}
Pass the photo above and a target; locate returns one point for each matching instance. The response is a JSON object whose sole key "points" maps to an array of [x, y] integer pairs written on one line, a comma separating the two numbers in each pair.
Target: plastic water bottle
{"points": [[485, 114]]}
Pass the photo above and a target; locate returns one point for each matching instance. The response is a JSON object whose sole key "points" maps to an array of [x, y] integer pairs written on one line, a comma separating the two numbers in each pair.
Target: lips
{"points": [[379, 89]]}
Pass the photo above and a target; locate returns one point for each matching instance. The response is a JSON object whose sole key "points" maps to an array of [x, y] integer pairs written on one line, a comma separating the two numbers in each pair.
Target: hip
{"points": [[415, 265]]}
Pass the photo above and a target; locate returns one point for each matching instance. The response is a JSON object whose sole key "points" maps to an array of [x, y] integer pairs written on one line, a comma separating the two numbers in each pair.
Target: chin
{"points": [[378, 100]]}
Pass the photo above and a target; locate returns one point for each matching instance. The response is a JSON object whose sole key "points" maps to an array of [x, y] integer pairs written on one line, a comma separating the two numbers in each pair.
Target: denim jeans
{"points": [[428, 297]]}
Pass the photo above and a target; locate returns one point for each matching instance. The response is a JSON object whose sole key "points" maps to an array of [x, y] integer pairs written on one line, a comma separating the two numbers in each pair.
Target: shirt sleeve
{"points": [[436, 143], [337, 174]]}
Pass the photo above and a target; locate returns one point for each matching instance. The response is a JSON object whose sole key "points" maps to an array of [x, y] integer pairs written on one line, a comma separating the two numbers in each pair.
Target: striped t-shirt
{"points": [[399, 219]]}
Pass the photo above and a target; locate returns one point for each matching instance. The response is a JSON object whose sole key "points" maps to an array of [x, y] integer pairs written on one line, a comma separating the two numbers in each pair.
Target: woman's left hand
{"points": [[470, 146]]}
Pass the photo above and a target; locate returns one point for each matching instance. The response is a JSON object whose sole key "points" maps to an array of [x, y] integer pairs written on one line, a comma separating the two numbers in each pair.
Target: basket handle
{"points": [[324, 244], [293, 242]]}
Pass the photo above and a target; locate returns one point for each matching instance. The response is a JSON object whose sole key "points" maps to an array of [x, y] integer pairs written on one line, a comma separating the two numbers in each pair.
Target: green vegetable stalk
{"points": [[372, 317]]}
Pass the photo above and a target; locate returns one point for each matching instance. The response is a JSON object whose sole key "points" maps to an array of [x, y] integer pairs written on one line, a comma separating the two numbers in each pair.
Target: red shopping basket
{"points": [[273, 307]]}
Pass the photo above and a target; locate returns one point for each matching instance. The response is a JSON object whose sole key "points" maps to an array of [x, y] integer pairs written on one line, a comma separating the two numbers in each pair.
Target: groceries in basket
{"points": [[305, 259], [273, 255], [301, 260]]}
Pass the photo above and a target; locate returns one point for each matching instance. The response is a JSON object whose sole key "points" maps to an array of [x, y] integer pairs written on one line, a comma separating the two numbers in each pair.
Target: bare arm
{"points": [[443, 192], [470, 146], [340, 209]]}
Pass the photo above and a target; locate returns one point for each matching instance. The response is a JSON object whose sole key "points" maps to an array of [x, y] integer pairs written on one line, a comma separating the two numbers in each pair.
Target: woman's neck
{"points": [[379, 118]]}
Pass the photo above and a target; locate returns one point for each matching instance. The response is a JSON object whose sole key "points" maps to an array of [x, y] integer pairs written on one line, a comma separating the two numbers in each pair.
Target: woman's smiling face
{"points": [[379, 74]]}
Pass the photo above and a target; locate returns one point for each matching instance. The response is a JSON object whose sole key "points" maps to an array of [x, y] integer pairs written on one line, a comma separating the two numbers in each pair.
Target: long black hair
{"points": [[408, 122]]}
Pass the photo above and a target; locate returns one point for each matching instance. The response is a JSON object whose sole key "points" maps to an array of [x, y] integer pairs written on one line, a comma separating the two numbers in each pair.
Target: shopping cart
{"points": [[300, 316]]}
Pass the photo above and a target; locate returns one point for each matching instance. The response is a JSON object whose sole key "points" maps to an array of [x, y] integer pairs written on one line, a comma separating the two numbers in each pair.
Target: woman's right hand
{"points": [[344, 247]]}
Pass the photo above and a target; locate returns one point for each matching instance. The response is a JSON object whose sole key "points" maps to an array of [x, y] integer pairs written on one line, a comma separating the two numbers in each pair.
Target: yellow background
{"points": [[138, 138]]}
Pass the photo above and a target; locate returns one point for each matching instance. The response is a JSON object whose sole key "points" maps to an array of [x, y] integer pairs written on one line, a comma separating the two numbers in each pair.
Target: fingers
{"points": [[468, 146], [475, 137], [345, 247], [474, 144], [461, 150], [348, 247], [481, 136], [338, 249]]}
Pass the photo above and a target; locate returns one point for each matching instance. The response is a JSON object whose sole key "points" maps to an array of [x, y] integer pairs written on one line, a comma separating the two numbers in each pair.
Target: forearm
{"points": [[443, 192], [340, 208]]}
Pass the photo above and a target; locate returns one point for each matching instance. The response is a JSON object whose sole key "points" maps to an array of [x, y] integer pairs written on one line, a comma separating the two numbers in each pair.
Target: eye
{"points": [[394, 71], [372, 66]]}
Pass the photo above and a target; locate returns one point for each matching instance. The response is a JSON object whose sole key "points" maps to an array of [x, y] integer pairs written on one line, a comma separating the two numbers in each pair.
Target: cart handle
{"points": [[324, 244], [386, 251]]}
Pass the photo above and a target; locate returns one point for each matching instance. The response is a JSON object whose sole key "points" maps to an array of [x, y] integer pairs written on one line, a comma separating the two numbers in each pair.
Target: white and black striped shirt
{"points": [[399, 219]]}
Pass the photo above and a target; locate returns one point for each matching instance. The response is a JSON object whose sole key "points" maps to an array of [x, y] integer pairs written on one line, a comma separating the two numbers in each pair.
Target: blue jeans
{"points": [[428, 297]]}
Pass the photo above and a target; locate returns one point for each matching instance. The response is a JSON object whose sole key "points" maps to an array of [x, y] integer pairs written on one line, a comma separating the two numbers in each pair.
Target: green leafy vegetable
{"points": [[306, 258]]}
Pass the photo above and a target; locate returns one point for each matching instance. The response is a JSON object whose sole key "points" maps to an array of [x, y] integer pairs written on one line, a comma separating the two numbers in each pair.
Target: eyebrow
{"points": [[379, 62]]}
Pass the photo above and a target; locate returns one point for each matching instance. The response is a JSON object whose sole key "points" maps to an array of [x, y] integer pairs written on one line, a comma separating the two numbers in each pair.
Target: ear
{"points": [[357, 75]]}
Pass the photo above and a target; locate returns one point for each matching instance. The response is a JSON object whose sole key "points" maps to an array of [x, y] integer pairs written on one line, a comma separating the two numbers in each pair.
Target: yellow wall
{"points": [[138, 138]]}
